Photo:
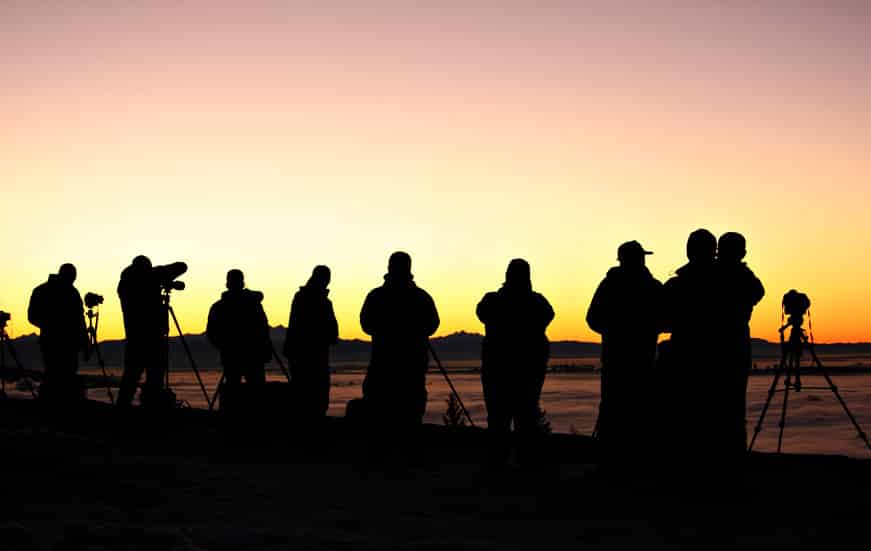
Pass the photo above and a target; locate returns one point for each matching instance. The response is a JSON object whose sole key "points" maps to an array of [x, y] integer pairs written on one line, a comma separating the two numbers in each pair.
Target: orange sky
{"points": [[273, 138]]}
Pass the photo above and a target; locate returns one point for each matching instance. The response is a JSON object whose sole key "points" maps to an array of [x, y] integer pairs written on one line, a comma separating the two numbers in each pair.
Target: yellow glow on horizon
{"points": [[276, 140]]}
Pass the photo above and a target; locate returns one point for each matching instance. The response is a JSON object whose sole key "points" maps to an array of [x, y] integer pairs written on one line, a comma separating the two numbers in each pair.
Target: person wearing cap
{"points": [[238, 328], [514, 356], [740, 291], [311, 330], [400, 317], [56, 308], [625, 310]]}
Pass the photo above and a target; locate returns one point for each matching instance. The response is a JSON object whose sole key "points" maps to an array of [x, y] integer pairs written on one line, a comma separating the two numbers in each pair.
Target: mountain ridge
{"points": [[458, 346]]}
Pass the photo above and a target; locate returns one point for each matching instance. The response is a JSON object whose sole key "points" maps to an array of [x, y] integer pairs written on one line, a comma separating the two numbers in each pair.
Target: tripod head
{"points": [[795, 306]]}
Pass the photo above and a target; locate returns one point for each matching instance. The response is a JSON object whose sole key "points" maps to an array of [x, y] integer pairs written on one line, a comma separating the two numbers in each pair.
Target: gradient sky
{"points": [[273, 136]]}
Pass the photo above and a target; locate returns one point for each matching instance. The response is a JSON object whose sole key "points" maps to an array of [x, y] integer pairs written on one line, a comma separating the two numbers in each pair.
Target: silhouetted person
{"points": [[693, 308], [56, 308], [311, 330], [400, 317], [626, 311], [238, 328], [146, 327], [514, 356], [740, 291]]}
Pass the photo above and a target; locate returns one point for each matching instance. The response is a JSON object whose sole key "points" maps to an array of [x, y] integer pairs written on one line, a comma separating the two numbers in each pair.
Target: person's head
{"points": [[631, 254], [399, 265], [518, 275], [235, 280], [67, 273], [141, 263], [320, 278], [732, 247], [701, 246]]}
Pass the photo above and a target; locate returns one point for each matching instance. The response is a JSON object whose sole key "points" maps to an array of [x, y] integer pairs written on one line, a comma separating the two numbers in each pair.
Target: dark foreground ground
{"points": [[86, 481]]}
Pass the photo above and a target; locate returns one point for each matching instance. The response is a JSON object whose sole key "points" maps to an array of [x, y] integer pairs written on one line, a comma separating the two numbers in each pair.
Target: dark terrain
{"points": [[78, 481]]}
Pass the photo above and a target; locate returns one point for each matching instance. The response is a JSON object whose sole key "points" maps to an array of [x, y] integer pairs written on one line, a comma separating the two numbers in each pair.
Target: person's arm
{"points": [[432, 320], [484, 310], [35, 308], [332, 332], [757, 291], [263, 322], [547, 313], [82, 329], [291, 328], [213, 326], [597, 316], [368, 315]]}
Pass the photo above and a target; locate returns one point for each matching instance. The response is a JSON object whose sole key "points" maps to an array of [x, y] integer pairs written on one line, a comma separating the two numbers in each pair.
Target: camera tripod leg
{"points": [[217, 392], [103, 369], [93, 325], [837, 394], [782, 424], [190, 356], [14, 355], [450, 384], [280, 363], [772, 390]]}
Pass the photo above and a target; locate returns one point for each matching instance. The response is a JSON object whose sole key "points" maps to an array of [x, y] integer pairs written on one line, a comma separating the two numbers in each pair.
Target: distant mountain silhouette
{"points": [[461, 346]]}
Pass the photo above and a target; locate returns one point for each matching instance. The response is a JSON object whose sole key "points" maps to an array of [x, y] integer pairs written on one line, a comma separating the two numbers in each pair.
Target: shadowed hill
{"points": [[461, 346]]}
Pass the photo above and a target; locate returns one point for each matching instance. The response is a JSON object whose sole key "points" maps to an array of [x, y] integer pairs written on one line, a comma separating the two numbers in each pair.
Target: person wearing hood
{"points": [[514, 354], [56, 308], [311, 330], [693, 308], [625, 310], [238, 328], [400, 317], [740, 291]]}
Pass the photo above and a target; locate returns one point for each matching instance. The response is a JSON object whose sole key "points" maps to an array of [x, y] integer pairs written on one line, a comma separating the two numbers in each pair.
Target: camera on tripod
{"points": [[92, 300], [796, 304], [4, 318], [169, 276], [173, 285]]}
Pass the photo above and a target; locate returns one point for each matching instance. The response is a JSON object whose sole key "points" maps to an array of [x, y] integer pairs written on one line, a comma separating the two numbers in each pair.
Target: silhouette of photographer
{"points": [[56, 309], [740, 290], [625, 310], [238, 328], [400, 317], [514, 356], [311, 329], [146, 326]]}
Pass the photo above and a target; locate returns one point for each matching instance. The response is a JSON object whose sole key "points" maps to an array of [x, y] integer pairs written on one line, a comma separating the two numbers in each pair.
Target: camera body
{"points": [[172, 285], [93, 300], [4, 318], [168, 276], [796, 304]]}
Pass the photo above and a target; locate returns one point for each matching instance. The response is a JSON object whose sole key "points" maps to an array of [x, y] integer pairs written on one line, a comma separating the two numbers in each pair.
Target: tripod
{"points": [[6, 344], [171, 312], [93, 324], [224, 377], [790, 369], [450, 384]]}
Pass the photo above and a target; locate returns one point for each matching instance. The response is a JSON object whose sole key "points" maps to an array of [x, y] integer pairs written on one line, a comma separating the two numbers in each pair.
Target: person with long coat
{"points": [[514, 358]]}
